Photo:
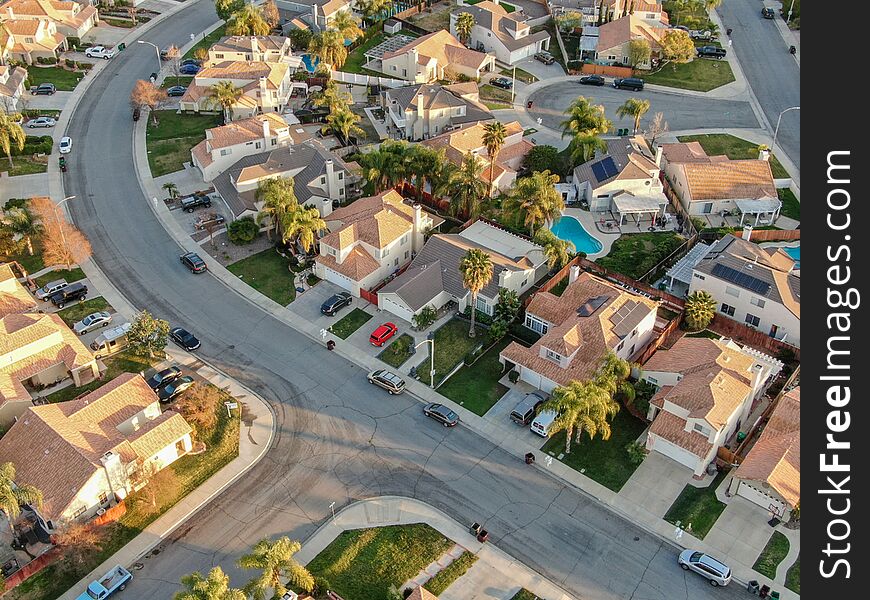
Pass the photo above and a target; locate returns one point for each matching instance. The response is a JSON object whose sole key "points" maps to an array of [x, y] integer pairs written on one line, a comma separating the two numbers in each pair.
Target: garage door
{"points": [[681, 455], [757, 495], [340, 280], [397, 309]]}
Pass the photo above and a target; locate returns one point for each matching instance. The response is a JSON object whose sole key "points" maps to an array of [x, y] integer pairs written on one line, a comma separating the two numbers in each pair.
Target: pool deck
{"points": [[587, 219]]}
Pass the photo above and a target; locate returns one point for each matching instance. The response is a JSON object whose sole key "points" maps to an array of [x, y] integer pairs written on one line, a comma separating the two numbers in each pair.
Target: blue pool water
{"points": [[570, 229], [795, 253], [310, 62]]}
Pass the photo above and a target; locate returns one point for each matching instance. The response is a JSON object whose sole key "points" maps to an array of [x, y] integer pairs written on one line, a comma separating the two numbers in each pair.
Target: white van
{"points": [[541, 424], [111, 340]]}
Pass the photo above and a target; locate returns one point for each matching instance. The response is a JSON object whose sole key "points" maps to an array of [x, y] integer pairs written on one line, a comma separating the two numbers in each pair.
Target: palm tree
{"points": [[21, 222], [343, 122], [302, 226], [248, 20], [555, 249], [584, 120], [171, 189], [581, 406], [279, 199], [332, 97], [700, 310], [13, 496], [464, 25], [224, 94], [712, 4], [347, 25], [583, 147], [468, 187], [214, 586], [443, 178], [476, 269], [422, 163], [275, 560], [612, 372], [494, 134], [634, 108], [329, 47], [11, 136], [372, 8], [386, 167], [535, 199]]}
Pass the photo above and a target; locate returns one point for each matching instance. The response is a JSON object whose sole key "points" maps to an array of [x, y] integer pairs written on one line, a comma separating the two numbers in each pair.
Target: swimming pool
{"points": [[310, 62], [570, 229], [795, 253]]}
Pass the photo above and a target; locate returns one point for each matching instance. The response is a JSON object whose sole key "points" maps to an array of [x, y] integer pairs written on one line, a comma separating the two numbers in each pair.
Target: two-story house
{"points": [[498, 32], [433, 279], [615, 37], [14, 298], [578, 329], [417, 112], [11, 85], [250, 48], [92, 452], [370, 239], [72, 19], [653, 12], [316, 14], [33, 39], [706, 390], [435, 56], [753, 285], [266, 87]]}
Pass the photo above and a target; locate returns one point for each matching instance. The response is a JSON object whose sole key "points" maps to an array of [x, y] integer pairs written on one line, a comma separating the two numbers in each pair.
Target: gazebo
{"points": [[765, 210], [626, 203]]}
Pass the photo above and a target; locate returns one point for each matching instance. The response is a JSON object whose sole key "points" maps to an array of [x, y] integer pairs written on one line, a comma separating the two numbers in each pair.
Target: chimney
{"points": [[419, 106], [747, 232], [502, 277], [413, 55], [254, 46], [573, 274], [266, 131], [659, 152], [417, 228], [764, 154]]}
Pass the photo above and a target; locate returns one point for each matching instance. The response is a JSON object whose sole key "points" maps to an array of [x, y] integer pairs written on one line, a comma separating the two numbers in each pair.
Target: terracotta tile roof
{"points": [[243, 43], [244, 130], [673, 429], [691, 354], [733, 179], [274, 73], [712, 394], [442, 46], [14, 298], [377, 220], [357, 265], [23, 26], [201, 153], [14, 80], [623, 30], [689, 152], [159, 433], [468, 138], [420, 593]]}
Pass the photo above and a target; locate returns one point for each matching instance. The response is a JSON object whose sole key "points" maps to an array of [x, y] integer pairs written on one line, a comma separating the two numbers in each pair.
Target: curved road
{"points": [[337, 438]]}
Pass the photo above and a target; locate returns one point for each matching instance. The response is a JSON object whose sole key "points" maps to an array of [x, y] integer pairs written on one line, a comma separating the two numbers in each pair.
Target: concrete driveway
{"points": [[740, 531], [539, 69], [57, 101], [656, 484]]}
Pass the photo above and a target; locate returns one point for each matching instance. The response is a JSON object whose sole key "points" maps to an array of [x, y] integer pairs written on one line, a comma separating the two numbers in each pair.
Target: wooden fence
{"points": [[111, 515], [665, 335], [608, 70], [771, 235], [745, 334], [32, 568]]}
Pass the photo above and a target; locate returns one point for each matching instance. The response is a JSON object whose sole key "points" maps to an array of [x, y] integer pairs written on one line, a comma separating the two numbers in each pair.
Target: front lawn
{"points": [[490, 92], [363, 563], [634, 254], [793, 576], [170, 141], [350, 323], [476, 386], [605, 461], [63, 80], [791, 206], [734, 148], [269, 273], [697, 507], [451, 345], [206, 42], [774, 553], [172, 80], [706, 333], [521, 75], [700, 75], [24, 165], [74, 274], [446, 576], [79, 311], [122, 362], [399, 351]]}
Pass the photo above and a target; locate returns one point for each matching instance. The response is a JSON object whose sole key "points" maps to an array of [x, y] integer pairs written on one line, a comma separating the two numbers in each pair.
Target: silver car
{"points": [[41, 122], [387, 380], [716, 572], [50, 288], [92, 321]]}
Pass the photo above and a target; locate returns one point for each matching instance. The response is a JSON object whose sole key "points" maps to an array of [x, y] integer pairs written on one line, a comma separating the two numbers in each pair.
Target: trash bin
{"points": [[330, 344], [774, 595], [475, 528], [752, 587], [764, 591], [741, 435], [483, 535], [121, 46], [530, 458]]}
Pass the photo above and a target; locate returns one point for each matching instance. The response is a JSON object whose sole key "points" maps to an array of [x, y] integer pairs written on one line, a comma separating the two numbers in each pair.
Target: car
{"points": [[137, 112], [502, 82], [768, 13], [189, 69], [715, 571], [681, 28], [69, 294], [169, 391], [387, 380], [194, 262], [44, 89], [184, 338], [209, 220], [176, 90], [335, 302], [441, 413], [711, 52], [592, 80], [41, 122], [545, 57], [99, 52], [380, 335], [65, 145], [163, 377], [189, 203], [92, 321], [190, 61], [628, 83], [527, 408], [697, 34], [50, 289]]}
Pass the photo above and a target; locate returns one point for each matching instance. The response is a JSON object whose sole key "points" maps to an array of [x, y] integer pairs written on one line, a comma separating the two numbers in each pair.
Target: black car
{"points": [[184, 338], [592, 80], [176, 90], [189, 69], [137, 112], [711, 52], [768, 13], [335, 302], [71, 293], [163, 377], [442, 414], [189, 203], [190, 61], [192, 261], [44, 89], [172, 389], [502, 82], [628, 83]]}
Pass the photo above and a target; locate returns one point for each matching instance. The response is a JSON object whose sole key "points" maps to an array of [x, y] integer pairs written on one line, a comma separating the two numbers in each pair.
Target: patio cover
{"points": [[759, 206], [682, 271]]}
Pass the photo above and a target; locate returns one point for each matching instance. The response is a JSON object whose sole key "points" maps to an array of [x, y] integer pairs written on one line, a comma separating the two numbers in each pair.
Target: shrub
{"points": [[84, 66], [636, 453], [73, 41], [243, 231], [643, 393], [480, 317], [321, 585], [46, 60], [70, 64], [498, 329], [513, 376], [15, 203], [426, 317]]}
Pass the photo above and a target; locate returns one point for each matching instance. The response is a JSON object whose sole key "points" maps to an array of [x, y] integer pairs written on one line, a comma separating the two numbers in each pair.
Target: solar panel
{"points": [[592, 305], [744, 280], [610, 168], [599, 171]]}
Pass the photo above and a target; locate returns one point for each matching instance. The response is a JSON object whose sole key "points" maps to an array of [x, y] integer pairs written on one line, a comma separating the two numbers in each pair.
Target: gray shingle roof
{"points": [[437, 96], [618, 150]]}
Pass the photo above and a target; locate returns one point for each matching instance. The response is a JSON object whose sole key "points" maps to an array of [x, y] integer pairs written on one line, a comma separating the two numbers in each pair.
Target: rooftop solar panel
{"points": [[610, 168], [592, 305], [599, 171], [744, 280]]}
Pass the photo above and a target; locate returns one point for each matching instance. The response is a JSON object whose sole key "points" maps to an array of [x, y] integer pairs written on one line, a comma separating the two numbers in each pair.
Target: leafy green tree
{"points": [[11, 136], [714, 4], [226, 8], [468, 188], [214, 586], [494, 134], [639, 52], [148, 335], [302, 225], [275, 560], [498, 329], [343, 123], [508, 306], [373, 10], [14, 494], [425, 317], [278, 198], [248, 20], [332, 97], [677, 46], [612, 372], [476, 270], [700, 310], [422, 162], [535, 200], [385, 167], [556, 249], [584, 123], [300, 38], [22, 223], [634, 108], [541, 158], [243, 231], [464, 25]]}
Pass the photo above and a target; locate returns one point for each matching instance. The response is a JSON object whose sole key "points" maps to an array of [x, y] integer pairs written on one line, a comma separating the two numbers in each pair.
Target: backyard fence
{"points": [[608, 70], [772, 235], [361, 79], [32, 568], [751, 337], [664, 338]]}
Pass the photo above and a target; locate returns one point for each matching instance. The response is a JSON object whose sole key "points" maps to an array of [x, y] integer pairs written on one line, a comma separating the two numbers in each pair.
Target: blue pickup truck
{"points": [[113, 581]]}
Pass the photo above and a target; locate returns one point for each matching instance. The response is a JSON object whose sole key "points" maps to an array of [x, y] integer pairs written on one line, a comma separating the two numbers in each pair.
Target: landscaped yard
{"points": [[476, 386], [269, 273], [437, 20], [207, 41], [170, 141], [451, 345], [73, 274], [791, 206], [634, 254], [691, 15], [698, 507], [350, 323], [525, 594], [701, 75], [605, 461], [446, 576], [363, 563], [793, 576], [172, 80], [774, 553], [24, 165], [356, 59], [122, 362], [399, 351], [521, 75], [734, 148], [63, 80], [79, 311], [495, 98]]}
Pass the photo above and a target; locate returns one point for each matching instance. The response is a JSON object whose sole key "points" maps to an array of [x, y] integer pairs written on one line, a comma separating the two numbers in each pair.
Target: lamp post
{"points": [[778, 120], [430, 339], [788, 19], [156, 49]]}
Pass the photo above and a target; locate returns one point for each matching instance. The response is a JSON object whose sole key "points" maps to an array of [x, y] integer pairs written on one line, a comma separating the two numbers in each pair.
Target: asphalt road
{"points": [[338, 438]]}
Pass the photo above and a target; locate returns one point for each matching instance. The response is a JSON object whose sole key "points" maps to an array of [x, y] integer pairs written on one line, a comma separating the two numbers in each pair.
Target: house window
{"points": [[525, 281], [257, 145], [274, 142], [385, 252], [79, 512], [404, 239], [226, 152], [732, 291], [727, 310], [394, 68], [406, 254], [323, 181], [752, 320], [219, 55], [341, 191], [483, 306], [340, 175], [620, 346], [554, 356], [396, 263], [536, 325], [652, 380], [701, 429], [759, 302], [633, 333], [179, 447], [701, 277], [103, 497]]}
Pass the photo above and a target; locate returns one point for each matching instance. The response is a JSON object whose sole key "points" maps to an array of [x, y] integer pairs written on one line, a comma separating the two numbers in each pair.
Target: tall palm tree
{"points": [[249, 20], [581, 406], [332, 97], [385, 167], [347, 25], [21, 222], [583, 147], [171, 188], [612, 372], [423, 163], [279, 199], [372, 10], [13, 496], [476, 269], [464, 25], [634, 108], [469, 187], [584, 119], [275, 560], [555, 249], [224, 94], [329, 47], [343, 122], [302, 225], [214, 586], [535, 199], [494, 134], [443, 178], [11, 136]]}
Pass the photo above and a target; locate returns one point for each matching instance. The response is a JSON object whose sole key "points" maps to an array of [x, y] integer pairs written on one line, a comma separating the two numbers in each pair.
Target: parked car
{"points": [[628, 83], [697, 34], [380, 335], [172, 389], [711, 52], [111, 340], [41, 122], [51, 288], [137, 112], [336, 302], [189, 203], [545, 57], [99, 52], [192, 261], [44, 89], [176, 91], [592, 80], [717, 572], [681, 27], [92, 321], [502, 82], [441, 413], [768, 13], [189, 69], [191, 61], [71, 293], [209, 220], [162, 377], [184, 338], [387, 380], [541, 423], [113, 581], [65, 145], [527, 408]]}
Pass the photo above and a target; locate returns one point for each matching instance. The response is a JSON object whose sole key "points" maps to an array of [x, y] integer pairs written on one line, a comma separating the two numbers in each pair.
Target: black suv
{"points": [[192, 261], [711, 52], [71, 293], [628, 83], [335, 302], [44, 89], [191, 202]]}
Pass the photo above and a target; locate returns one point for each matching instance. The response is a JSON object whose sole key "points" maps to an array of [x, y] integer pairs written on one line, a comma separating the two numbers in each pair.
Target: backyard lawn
{"points": [[73, 274], [25, 165], [791, 206], [698, 507], [605, 461], [634, 254], [555, 50], [446, 576], [350, 323], [399, 351], [363, 563], [734, 148], [63, 80], [122, 362], [207, 41], [774, 553], [435, 21], [79, 311], [451, 345], [701, 75], [29, 263], [356, 59], [170, 141], [476, 386], [269, 273]]}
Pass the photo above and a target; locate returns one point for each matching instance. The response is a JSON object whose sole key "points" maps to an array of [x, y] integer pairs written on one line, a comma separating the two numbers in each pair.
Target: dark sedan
{"points": [[184, 338], [502, 82], [592, 80], [176, 90], [189, 69], [442, 414], [172, 389], [336, 302], [163, 377]]}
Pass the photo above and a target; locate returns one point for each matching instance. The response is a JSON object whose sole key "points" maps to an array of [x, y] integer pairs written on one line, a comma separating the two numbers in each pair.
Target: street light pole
{"points": [[430, 339], [788, 19], [778, 120], [157, 50]]}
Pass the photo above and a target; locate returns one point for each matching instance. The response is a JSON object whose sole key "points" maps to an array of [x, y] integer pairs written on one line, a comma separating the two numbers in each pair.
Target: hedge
{"points": [[46, 60], [243, 231], [35, 144]]}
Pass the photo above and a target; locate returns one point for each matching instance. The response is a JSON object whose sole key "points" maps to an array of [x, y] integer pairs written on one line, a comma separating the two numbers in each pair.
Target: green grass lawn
{"points": [[74, 274], [521, 75], [604, 461], [791, 206], [490, 92], [63, 80], [125, 23], [793, 576], [698, 507], [172, 80], [31, 264], [734, 148], [79, 311], [122, 362], [24, 165], [525, 594], [693, 16], [451, 345], [774, 553], [267, 272], [495, 105], [446, 576], [350, 323], [634, 254], [356, 59], [363, 563], [170, 141], [700, 75], [206, 42], [476, 386], [399, 351]]}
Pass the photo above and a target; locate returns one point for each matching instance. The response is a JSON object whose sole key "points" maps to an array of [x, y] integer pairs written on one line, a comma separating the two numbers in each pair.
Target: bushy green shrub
{"points": [[425, 318], [70, 64], [243, 231], [73, 41], [34, 144], [46, 60], [636, 453]]}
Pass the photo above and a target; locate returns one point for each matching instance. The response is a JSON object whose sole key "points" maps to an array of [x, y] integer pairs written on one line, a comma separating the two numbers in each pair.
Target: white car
{"points": [[99, 52], [41, 122], [65, 145], [705, 565], [92, 321]]}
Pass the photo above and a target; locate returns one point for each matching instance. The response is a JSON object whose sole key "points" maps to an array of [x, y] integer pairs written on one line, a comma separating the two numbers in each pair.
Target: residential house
{"points": [[72, 19], [753, 285], [468, 139], [14, 298], [420, 593], [370, 239], [228, 143], [432, 57], [706, 390], [32, 39], [433, 278], [11, 85], [653, 12], [420, 111], [614, 39], [587, 8], [498, 32], [7, 41], [591, 318], [266, 87], [320, 178], [770, 475], [91, 452], [315, 14], [36, 351], [254, 48]]}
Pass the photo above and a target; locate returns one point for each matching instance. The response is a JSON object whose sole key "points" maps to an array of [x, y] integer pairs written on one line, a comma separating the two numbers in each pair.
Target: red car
{"points": [[383, 333]]}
